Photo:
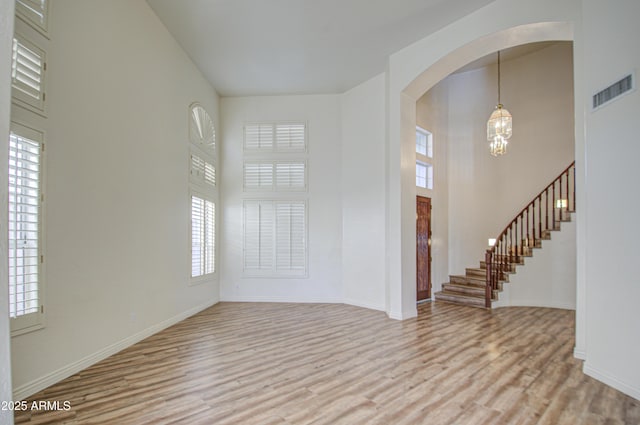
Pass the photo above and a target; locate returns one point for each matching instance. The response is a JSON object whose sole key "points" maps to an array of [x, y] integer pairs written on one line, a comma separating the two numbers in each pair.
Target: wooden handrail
{"points": [[512, 243]]}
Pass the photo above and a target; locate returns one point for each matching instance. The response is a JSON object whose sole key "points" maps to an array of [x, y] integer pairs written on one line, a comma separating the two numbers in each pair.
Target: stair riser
{"points": [[455, 290], [512, 266], [463, 280], [473, 302], [465, 290], [476, 273]]}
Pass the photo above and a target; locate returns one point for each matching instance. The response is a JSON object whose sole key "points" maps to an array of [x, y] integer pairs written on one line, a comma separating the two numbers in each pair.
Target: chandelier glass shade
{"points": [[498, 146], [499, 126]]}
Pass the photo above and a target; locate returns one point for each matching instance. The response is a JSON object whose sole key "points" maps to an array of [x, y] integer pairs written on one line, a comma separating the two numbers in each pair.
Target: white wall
{"points": [[116, 252], [363, 217], [548, 278], [6, 35], [322, 115], [612, 285]]}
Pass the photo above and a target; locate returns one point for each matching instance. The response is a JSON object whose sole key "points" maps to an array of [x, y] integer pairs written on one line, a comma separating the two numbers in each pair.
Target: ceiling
{"points": [[270, 47]]}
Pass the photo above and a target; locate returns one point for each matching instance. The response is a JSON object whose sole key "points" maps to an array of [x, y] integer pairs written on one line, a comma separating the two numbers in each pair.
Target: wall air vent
{"points": [[613, 91]]}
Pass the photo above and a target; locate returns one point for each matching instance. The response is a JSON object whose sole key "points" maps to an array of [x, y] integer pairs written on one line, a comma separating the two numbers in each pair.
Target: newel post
{"points": [[488, 260]]}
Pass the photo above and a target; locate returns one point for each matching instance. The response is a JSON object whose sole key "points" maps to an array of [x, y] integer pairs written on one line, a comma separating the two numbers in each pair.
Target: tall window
{"points": [[424, 175], [424, 142], [275, 206], [202, 137], [203, 236], [25, 227], [25, 260], [424, 158]]}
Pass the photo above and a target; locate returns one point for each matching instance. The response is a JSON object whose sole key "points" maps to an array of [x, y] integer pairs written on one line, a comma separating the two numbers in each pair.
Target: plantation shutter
{"points": [[209, 240], [275, 237], [202, 236], [27, 73], [202, 132], [258, 175], [291, 236], [258, 235], [258, 137], [291, 137], [275, 228], [33, 11], [24, 225], [202, 171], [291, 175], [275, 137], [275, 175]]}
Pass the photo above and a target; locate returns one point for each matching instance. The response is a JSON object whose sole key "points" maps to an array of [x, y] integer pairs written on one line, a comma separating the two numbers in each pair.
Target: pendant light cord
{"points": [[498, 77]]}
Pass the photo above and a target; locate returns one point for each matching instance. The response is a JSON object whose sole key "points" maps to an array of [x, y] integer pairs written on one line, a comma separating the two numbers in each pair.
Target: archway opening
{"points": [[406, 125]]}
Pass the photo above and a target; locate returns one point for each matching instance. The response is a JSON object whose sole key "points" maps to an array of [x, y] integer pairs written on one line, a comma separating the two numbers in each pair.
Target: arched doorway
{"points": [[403, 94]]}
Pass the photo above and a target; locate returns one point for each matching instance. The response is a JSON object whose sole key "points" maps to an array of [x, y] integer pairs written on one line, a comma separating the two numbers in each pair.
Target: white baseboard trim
{"points": [[579, 354], [30, 388], [363, 305], [533, 303], [403, 315], [253, 299], [611, 381]]}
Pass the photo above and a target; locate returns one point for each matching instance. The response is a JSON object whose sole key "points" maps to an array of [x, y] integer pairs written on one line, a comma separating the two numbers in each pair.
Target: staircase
{"points": [[479, 287]]}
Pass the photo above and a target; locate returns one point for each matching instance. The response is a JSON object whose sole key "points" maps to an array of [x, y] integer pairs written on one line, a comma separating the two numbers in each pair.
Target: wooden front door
{"points": [[423, 247]]}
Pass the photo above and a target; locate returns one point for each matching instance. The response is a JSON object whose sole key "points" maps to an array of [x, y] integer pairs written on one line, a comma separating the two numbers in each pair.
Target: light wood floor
{"points": [[240, 363]]}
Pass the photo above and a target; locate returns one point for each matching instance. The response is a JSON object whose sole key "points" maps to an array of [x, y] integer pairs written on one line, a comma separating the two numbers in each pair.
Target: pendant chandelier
{"points": [[499, 125]]}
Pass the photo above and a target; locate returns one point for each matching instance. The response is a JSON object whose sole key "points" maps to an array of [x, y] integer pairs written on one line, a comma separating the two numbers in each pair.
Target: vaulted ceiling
{"points": [[266, 47]]}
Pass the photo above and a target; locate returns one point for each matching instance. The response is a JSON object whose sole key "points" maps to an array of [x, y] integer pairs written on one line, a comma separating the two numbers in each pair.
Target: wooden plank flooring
{"points": [[242, 363]]}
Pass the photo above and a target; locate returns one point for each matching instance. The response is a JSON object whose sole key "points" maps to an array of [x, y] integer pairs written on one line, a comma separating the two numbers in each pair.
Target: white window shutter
{"points": [[258, 175], [275, 229], [209, 239], [258, 235], [275, 175], [291, 137], [202, 132], [291, 175], [27, 73], [197, 231], [34, 12], [24, 225], [291, 236], [258, 137], [202, 171], [202, 236]]}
